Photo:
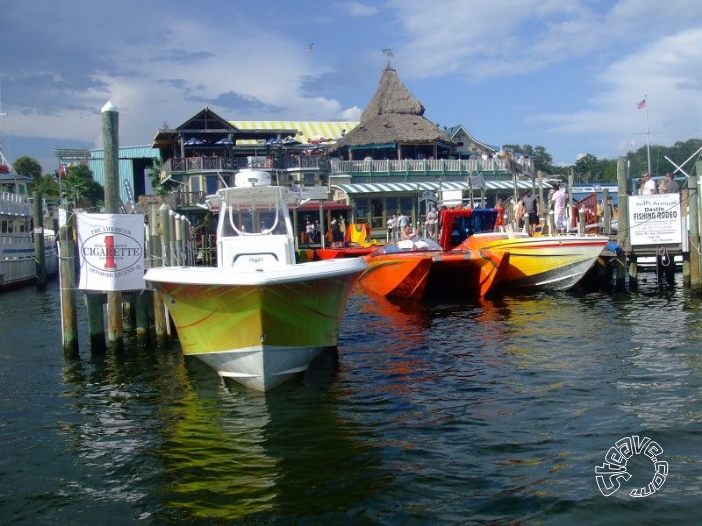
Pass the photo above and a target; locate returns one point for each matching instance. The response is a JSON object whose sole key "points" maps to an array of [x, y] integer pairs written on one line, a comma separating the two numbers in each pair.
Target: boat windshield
{"points": [[417, 244], [261, 214]]}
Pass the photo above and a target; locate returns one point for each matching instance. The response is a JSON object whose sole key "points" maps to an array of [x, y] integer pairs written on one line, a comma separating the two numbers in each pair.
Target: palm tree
{"points": [[73, 188]]}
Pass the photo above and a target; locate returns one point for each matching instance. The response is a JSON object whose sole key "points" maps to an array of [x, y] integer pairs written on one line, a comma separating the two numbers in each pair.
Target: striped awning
{"points": [[378, 188], [309, 132]]}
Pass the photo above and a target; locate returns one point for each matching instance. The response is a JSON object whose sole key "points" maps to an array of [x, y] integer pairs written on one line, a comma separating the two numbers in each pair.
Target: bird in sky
{"points": [[310, 48]]}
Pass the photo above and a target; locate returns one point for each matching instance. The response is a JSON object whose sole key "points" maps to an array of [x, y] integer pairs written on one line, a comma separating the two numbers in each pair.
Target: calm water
{"points": [[491, 412]]}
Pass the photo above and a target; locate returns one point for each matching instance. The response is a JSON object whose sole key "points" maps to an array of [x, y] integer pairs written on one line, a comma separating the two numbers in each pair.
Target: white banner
{"points": [[111, 251], [655, 219]]}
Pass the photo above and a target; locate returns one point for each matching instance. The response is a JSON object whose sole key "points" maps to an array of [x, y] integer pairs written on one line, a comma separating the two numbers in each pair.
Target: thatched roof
{"points": [[393, 115]]}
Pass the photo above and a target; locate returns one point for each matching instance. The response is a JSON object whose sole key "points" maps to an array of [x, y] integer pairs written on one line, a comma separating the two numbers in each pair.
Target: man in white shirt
{"points": [[649, 185], [559, 199]]}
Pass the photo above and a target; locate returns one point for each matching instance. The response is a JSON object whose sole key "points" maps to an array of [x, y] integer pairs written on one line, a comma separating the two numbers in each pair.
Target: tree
{"points": [[586, 169], [28, 166], [79, 187], [48, 186], [155, 178], [541, 159]]}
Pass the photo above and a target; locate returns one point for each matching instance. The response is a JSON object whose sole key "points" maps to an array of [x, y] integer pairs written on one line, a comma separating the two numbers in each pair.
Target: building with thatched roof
{"points": [[398, 162], [393, 126]]}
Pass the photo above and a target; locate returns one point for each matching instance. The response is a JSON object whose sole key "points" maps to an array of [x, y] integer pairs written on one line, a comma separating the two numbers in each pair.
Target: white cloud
{"points": [[358, 9]]}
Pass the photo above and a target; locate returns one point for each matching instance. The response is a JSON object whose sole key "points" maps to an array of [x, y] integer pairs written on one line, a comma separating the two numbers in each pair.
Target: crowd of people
{"points": [[312, 231], [526, 214]]}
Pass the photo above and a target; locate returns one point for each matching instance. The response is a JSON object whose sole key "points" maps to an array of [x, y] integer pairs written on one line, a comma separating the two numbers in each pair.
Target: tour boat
{"points": [[552, 262], [417, 269], [18, 261], [258, 317]]}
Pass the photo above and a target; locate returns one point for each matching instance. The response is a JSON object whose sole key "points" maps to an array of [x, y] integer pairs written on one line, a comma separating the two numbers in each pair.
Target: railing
{"points": [[199, 164], [458, 166], [177, 200], [322, 162]]}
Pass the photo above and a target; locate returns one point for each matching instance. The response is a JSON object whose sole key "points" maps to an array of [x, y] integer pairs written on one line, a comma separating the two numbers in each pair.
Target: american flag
{"points": [[641, 104]]}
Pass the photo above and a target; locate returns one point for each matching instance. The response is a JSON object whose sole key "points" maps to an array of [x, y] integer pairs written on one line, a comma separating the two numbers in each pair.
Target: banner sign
{"points": [[655, 219], [111, 251], [314, 192]]}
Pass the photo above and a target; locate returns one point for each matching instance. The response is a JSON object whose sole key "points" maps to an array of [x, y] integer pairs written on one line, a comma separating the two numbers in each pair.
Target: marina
{"points": [[350, 263], [481, 411], [397, 380]]}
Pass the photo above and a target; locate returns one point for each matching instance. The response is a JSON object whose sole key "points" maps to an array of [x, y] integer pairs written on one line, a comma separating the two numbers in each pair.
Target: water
{"points": [[490, 412]]}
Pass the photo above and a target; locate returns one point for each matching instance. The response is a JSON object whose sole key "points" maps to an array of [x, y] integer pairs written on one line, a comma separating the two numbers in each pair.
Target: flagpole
{"points": [[648, 135]]}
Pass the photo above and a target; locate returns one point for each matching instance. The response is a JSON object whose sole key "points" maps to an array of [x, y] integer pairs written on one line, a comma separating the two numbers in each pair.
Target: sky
{"points": [[565, 75]]}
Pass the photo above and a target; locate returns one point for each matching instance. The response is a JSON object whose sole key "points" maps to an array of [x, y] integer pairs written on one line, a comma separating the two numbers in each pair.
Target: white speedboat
{"points": [[258, 317], [18, 262]]}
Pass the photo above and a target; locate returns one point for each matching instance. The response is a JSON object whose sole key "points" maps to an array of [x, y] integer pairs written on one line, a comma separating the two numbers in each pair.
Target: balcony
{"points": [[190, 165], [411, 169]]}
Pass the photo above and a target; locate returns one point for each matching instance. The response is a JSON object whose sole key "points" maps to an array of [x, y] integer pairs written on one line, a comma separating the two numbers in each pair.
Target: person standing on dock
{"points": [[531, 206], [670, 185], [432, 222], [649, 185], [559, 199], [500, 217]]}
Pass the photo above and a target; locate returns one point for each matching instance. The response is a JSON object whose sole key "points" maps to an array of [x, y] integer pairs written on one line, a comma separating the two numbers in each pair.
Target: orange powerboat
{"points": [[417, 269]]}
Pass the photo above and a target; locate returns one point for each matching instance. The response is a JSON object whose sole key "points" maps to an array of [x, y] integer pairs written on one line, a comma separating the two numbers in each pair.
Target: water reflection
{"points": [[232, 453], [488, 411]]}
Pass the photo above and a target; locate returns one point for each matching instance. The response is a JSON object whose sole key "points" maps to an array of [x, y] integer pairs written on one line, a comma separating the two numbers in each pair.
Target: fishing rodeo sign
{"points": [[655, 219]]}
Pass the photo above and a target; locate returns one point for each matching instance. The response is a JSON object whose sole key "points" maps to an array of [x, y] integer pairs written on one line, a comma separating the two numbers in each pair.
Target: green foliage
{"points": [[155, 178], [28, 166], [79, 188], [590, 169], [48, 186], [542, 160], [678, 153]]}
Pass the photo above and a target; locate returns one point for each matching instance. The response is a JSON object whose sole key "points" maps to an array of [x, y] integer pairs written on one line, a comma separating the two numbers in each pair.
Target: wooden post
{"points": [[143, 318], [110, 127], [165, 236], [39, 241], [606, 212], [179, 241], [172, 254], [693, 217], [684, 197], [160, 326], [67, 273], [96, 321], [623, 239]]}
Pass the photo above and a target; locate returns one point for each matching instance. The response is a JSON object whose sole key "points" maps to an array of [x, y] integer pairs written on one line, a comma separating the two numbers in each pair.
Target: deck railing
{"points": [[200, 164], [432, 167], [429, 166]]}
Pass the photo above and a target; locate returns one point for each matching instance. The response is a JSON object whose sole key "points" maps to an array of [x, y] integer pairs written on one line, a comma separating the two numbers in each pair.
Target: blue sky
{"points": [[565, 75]]}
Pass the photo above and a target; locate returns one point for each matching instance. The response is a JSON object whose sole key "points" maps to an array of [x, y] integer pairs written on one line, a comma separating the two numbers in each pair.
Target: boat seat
{"points": [[255, 251]]}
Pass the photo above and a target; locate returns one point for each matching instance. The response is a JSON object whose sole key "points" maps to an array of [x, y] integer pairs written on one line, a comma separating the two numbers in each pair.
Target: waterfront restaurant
{"points": [[398, 162]]}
